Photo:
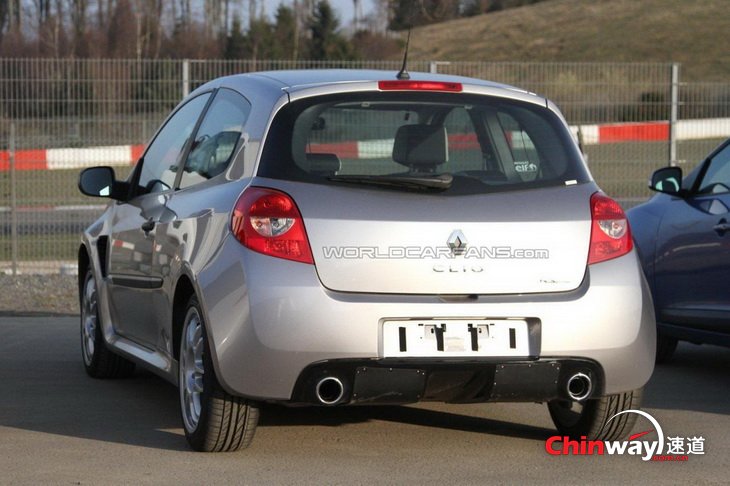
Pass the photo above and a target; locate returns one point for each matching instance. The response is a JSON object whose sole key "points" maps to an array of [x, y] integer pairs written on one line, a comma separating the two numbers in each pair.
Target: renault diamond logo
{"points": [[457, 242]]}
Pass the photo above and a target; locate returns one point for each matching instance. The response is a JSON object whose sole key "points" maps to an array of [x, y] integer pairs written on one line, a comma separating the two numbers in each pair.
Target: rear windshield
{"points": [[463, 144]]}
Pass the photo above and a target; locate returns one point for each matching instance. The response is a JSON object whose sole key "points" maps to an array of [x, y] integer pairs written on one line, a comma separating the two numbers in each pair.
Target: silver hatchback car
{"points": [[342, 237]]}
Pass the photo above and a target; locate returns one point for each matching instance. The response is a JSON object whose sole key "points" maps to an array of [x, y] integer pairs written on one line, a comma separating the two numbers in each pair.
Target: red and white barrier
{"points": [[125, 155], [653, 131], [75, 158], [72, 158]]}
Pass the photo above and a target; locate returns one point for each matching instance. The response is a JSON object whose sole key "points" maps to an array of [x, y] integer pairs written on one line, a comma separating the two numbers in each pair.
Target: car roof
{"points": [[309, 77], [295, 80]]}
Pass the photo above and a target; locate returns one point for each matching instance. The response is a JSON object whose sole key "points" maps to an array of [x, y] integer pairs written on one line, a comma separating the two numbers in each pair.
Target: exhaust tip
{"points": [[579, 386], [330, 390]]}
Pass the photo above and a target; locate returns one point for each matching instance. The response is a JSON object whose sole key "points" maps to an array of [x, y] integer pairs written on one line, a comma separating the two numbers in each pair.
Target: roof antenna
{"points": [[403, 74]]}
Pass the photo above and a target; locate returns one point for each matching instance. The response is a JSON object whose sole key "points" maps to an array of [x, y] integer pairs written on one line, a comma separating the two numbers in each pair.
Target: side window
{"points": [[717, 178], [160, 163], [216, 138], [465, 154], [524, 154]]}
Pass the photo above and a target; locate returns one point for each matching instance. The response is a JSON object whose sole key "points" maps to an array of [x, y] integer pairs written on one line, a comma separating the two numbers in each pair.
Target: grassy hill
{"points": [[693, 32]]}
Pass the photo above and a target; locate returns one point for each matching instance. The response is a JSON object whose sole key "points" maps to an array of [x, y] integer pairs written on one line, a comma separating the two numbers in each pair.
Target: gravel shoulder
{"points": [[39, 295]]}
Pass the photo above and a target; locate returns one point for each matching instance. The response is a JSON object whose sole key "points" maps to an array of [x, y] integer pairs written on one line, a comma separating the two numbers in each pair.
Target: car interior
{"points": [[461, 140]]}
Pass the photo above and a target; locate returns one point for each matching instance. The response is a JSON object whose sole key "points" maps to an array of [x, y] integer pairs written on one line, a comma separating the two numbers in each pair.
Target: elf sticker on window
{"points": [[525, 166]]}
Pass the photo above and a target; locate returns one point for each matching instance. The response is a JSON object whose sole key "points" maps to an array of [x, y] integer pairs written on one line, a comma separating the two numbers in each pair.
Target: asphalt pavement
{"points": [[58, 426]]}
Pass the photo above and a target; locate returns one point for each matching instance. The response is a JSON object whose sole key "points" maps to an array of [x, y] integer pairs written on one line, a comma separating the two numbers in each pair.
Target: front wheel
{"points": [[594, 419], [214, 420]]}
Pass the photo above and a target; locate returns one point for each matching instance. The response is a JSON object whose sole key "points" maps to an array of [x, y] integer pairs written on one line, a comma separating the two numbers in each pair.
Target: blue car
{"points": [[683, 242]]}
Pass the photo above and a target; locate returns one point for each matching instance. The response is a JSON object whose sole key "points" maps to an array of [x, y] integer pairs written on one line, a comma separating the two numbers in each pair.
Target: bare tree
{"points": [[77, 13], [226, 17], [10, 15], [251, 13], [104, 11], [381, 15], [184, 18], [297, 26], [156, 28], [49, 17], [303, 10], [213, 14], [148, 27], [42, 10]]}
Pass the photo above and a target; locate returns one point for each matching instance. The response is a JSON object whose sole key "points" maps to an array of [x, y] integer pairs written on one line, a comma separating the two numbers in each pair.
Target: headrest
{"points": [[421, 146], [324, 163]]}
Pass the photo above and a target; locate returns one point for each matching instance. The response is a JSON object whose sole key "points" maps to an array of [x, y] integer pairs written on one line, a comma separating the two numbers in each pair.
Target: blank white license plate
{"points": [[433, 338]]}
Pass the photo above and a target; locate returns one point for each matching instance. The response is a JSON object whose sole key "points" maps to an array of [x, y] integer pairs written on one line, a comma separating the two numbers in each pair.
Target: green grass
{"points": [[45, 188], [48, 187], [62, 246]]}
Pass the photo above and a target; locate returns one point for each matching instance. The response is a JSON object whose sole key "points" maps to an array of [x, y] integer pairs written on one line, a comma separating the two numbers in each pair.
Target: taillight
{"points": [[403, 85], [610, 232], [269, 222]]}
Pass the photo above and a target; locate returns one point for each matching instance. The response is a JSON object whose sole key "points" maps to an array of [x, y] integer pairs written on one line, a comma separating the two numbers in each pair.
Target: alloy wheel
{"points": [[191, 369], [89, 320]]}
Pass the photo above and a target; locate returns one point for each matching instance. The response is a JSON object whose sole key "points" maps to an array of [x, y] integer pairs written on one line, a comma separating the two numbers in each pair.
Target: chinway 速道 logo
{"points": [[658, 449]]}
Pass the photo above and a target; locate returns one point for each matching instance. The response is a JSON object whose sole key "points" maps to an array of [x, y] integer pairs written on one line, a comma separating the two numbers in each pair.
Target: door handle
{"points": [[721, 227], [148, 225]]}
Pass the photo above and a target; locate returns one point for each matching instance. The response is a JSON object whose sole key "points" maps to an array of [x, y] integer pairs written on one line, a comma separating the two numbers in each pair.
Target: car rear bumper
{"points": [[271, 322], [392, 381]]}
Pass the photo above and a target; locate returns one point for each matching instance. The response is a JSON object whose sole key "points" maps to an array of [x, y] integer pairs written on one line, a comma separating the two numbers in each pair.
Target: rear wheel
{"points": [[665, 347], [592, 418], [214, 420], [99, 361]]}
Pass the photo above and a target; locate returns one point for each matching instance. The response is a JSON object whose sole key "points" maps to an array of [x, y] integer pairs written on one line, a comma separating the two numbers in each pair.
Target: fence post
{"points": [[673, 115], [13, 201], [433, 66], [185, 77]]}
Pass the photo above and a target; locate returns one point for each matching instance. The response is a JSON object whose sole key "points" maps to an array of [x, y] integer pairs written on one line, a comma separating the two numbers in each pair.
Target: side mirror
{"points": [[667, 180], [97, 182]]}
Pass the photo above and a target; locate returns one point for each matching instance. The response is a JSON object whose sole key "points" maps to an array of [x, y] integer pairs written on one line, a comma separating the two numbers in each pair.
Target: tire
{"points": [[665, 347], [213, 420], [592, 418], [98, 360]]}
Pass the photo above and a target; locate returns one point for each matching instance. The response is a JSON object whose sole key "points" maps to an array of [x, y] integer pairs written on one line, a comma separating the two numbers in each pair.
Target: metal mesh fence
{"points": [[59, 115]]}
